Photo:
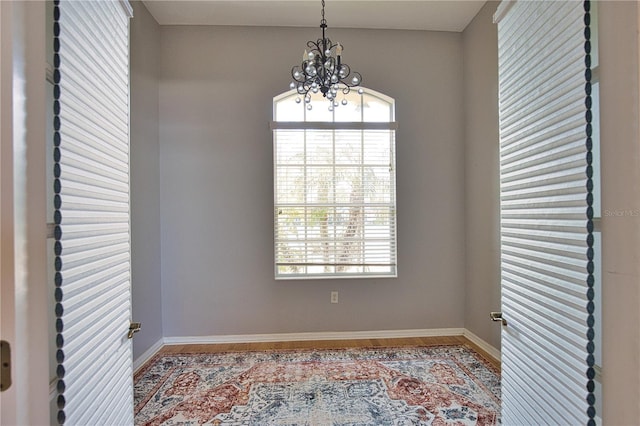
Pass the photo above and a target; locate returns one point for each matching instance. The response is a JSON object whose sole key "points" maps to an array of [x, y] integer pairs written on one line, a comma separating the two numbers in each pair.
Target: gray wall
{"points": [[145, 179], [482, 185], [216, 91], [619, 49]]}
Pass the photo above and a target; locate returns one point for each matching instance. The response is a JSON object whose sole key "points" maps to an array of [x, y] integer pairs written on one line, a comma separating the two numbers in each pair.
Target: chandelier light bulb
{"points": [[327, 52], [309, 107], [298, 100], [344, 101], [360, 91]]}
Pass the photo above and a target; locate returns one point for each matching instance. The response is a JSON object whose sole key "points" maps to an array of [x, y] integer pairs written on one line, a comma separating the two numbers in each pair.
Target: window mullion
{"points": [[363, 242], [305, 209], [333, 198], [306, 197]]}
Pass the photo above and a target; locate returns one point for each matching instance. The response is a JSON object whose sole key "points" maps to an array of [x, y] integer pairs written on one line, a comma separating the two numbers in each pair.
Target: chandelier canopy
{"points": [[322, 70]]}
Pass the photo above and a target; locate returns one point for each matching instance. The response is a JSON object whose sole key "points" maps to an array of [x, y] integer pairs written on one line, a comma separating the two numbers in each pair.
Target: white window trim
{"points": [[338, 125]]}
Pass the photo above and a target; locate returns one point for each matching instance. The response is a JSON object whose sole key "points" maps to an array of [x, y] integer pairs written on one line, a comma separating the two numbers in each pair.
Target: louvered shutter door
{"points": [[545, 199], [91, 140]]}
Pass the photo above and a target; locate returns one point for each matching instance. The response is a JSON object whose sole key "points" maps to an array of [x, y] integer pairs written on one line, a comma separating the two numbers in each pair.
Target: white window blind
{"points": [[546, 213], [334, 188], [92, 247]]}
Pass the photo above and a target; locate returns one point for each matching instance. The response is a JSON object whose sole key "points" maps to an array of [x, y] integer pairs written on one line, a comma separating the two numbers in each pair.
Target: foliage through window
{"points": [[334, 187]]}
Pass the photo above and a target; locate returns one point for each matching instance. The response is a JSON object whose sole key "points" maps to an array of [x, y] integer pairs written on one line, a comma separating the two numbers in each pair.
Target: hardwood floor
{"points": [[332, 344]]}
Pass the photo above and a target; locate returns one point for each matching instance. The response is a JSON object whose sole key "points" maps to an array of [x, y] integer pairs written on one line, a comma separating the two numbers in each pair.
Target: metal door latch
{"points": [[134, 327], [497, 316], [5, 365]]}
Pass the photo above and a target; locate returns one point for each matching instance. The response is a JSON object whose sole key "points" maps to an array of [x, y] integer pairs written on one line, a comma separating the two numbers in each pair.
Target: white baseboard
{"points": [[325, 335], [146, 356], [328, 335], [482, 344]]}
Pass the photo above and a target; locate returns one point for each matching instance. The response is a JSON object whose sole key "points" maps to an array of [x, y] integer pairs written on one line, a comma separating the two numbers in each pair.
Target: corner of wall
{"points": [[146, 258], [482, 242]]}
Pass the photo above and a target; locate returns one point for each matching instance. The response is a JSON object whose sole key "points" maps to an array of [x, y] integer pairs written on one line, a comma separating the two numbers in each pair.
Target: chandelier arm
{"points": [[313, 45], [300, 74], [350, 83], [344, 71]]}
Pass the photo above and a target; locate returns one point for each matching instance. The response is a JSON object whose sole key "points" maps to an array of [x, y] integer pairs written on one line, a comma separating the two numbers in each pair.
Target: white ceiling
{"points": [[435, 15]]}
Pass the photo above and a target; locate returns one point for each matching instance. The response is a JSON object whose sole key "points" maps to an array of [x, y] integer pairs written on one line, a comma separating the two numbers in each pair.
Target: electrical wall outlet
{"points": [[334, 297]]}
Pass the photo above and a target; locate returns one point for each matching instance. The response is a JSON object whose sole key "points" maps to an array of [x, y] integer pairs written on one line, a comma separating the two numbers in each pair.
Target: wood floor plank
{"points": [[330, 344]]}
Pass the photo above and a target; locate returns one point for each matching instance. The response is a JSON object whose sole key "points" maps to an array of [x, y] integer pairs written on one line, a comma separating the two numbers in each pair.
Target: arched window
{"points": [[334, 186]]}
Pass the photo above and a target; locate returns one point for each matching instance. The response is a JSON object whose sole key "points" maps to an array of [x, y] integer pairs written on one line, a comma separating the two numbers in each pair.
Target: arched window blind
{"points": [[546, 208], [92, 238], [334, 187]]}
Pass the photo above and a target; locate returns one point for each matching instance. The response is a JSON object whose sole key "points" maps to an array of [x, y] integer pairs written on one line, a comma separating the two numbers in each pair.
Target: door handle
{"points": [[134, 327], [497, 316]]}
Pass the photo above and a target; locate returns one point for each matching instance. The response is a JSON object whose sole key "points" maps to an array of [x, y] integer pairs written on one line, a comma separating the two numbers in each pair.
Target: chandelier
{"points": [[322, 70]]}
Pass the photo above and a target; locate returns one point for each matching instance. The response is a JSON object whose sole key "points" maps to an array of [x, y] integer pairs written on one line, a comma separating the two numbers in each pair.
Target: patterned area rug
{"points": [[441, 385]]}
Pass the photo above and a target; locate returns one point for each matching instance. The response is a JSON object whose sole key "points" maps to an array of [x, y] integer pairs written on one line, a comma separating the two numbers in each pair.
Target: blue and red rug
{"points": [[436, 386]]}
